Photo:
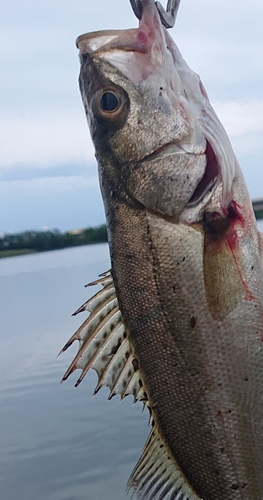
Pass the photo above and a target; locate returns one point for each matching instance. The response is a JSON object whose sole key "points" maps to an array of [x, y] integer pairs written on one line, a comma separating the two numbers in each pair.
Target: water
{"points": [[57, 442]]}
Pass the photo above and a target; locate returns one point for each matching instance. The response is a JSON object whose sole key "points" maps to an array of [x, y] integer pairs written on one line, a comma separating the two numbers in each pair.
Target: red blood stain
{"points": [[236, 218], [142, 37], [234, 213], [222, 228], [231, 238]]}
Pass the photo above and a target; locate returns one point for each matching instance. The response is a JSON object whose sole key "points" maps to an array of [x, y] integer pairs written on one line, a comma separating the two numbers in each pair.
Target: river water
{"points": [[57, 442]]}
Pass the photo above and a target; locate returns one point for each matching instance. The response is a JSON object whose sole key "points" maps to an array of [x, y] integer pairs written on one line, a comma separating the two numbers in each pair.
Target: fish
{"points": [[177, 322]]}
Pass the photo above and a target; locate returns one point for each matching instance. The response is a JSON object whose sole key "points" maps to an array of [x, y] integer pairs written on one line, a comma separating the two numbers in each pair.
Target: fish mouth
{"points": [[99, 42], [167, 150], [136, 52], [143, 39], [127, 50], [209, 179]]}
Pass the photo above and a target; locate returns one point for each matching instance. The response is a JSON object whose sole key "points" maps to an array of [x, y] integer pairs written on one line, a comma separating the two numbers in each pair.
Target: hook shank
{"points": [[167, 16]]}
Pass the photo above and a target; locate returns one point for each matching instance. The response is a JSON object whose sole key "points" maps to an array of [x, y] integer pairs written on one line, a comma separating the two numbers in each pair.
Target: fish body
{"points": [[186, 272]]}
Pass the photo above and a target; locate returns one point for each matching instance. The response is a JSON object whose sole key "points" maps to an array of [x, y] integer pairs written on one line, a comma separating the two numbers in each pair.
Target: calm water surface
{"points": [[57, 442]]}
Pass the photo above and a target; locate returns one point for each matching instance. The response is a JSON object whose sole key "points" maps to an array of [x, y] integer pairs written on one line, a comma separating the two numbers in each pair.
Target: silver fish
{"points": [[179, 320]]}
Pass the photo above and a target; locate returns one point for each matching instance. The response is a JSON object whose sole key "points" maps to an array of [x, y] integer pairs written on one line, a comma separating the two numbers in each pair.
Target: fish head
{"points": [[150, 120]]}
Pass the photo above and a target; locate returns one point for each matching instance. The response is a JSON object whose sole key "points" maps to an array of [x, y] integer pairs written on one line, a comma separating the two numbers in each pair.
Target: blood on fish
{"points": [[222, 260], [234, 213], [215, 224], [142, 37], [222, 224], [235, 218]]}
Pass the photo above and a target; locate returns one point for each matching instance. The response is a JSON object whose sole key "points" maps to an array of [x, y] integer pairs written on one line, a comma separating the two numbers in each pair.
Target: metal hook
{"points": [[167, 16], [137, 8]]}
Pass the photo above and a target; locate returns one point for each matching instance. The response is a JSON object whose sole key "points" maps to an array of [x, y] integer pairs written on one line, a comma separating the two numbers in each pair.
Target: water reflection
{"points": [[57, 442]]}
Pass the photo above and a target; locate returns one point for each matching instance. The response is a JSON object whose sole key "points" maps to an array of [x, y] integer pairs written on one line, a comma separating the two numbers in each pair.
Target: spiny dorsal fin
{"points": [[104, 345], [157, 475]]}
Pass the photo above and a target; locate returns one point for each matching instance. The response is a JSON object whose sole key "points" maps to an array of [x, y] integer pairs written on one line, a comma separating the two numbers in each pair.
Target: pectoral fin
{"points": [[104, 345], [224, 284]]}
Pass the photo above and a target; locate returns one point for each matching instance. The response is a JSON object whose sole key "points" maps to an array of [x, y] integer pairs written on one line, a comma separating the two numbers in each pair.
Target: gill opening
{"points": [[209, 178]]}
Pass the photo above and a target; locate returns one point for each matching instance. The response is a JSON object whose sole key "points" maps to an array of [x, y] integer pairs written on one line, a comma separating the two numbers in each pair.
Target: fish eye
{"points": [[109, 102]]}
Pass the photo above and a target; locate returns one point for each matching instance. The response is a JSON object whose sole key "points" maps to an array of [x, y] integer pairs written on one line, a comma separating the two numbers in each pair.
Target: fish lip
{"points": [[96, 41], [149, 35], [106, 41], [209, 180], [87, 36], [168, 149]]}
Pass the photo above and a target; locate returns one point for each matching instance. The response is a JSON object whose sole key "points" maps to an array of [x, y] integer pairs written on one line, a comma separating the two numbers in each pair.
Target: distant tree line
{"points": [[41, 241], [259, 214]]}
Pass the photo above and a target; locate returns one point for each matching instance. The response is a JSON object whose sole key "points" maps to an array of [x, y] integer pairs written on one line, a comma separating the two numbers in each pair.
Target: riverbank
{"points": [[14, 253], [42, 241]]}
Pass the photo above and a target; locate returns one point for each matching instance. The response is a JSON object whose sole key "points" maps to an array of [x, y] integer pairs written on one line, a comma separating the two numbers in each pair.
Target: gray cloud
{"points": [[24, 173], [60, 202], [45, 145]]}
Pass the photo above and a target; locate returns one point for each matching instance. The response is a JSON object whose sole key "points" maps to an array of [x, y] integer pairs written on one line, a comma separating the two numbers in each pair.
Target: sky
{"points": [[48, 174]]}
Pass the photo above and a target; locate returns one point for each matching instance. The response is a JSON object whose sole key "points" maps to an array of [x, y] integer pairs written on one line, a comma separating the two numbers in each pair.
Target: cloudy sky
{"points": [[47, 168]]}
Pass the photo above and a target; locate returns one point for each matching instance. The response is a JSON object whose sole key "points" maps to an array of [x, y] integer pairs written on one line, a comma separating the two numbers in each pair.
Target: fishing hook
{"points": [[167, 16], [137, 8]]}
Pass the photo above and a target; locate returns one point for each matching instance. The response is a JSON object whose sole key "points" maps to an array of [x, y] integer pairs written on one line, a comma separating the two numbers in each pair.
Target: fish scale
{"points": [[216, 344], [186, 283], [183, 417]]}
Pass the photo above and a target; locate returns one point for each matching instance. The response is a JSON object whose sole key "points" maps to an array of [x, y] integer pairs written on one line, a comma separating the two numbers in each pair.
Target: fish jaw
{"points": [[138, 52]]}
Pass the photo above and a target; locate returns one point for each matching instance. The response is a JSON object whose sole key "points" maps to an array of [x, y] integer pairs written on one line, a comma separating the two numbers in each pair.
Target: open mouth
{"points": [[101, 42], [208, 180]]}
